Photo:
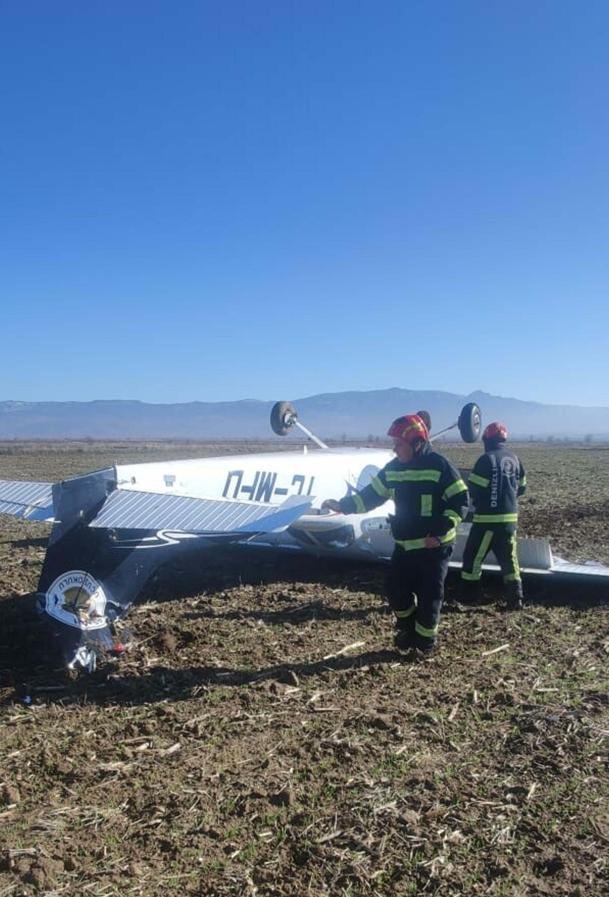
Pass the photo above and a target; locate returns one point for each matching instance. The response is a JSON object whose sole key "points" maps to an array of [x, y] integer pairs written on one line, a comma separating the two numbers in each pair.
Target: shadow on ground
{"points": [[30, 664]]}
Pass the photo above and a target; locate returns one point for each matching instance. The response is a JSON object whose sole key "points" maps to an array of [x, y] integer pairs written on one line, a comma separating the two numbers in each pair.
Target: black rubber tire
{"points": [[281, 414], [426, 417], [470, 422]]}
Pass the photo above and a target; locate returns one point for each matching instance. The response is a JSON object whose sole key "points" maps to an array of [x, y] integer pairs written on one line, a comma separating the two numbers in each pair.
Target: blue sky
{"points": [[220, 200]]}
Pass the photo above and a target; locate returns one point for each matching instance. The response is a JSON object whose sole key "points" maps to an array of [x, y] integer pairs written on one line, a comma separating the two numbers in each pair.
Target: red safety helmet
{"points": [[410, 427], [495, 432]]}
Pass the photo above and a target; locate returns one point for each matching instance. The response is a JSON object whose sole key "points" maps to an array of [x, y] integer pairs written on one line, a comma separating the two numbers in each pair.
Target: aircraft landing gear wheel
{"points": [[283, 415], [470, 422]]}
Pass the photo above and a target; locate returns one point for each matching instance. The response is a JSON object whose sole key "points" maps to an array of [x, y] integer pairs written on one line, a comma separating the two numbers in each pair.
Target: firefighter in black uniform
{"points": [[495, 483], [430, 501]]}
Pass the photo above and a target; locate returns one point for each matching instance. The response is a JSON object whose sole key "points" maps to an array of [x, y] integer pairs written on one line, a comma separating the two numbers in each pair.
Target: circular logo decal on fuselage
{"points": [[77, 599]]}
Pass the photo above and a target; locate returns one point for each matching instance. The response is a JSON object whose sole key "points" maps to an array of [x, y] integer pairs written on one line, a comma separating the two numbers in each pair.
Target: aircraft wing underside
{"points": [[30, 501], [126, 509], [131, 510]]}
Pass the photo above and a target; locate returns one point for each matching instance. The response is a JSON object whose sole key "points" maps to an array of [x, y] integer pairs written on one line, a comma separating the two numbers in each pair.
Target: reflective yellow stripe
{"points": [[495, 518], [424, 631], [360, 507], [478, 481], [413, 476], [379, 487], [523, 481], [471, 577], [482, 552], [452, 515], [454, 488], [412, 544], [426, 501], [403, 614], [515, 563]]}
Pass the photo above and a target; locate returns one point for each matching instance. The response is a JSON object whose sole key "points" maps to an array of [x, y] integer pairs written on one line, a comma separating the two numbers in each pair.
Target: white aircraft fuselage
{"points": [[112, 528]]}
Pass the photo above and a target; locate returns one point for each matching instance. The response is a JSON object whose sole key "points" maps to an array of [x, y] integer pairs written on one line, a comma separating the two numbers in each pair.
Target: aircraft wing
{"points": [[29, 501], [128, 509]]}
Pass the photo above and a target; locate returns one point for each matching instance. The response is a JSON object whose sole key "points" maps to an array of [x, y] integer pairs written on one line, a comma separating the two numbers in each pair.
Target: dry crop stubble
{"points": [[263, 738]]}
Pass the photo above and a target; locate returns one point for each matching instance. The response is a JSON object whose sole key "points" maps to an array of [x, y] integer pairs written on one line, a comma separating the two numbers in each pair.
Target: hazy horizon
{"points": [[263, 400]]}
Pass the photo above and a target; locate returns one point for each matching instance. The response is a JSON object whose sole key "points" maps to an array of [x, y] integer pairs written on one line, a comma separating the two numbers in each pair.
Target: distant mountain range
{"points": [[331, 415]]}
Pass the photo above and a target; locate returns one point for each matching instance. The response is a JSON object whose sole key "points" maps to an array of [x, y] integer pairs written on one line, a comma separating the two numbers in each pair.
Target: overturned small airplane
{"points": [[112, 528]]}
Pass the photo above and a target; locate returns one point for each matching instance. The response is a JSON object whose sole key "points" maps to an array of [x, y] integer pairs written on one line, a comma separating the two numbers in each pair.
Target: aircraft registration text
{"points": [[264, 485]]}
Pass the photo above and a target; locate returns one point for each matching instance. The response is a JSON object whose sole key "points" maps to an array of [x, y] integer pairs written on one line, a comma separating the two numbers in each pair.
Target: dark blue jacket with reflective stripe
{"points": [[495, 483], [430, 498]]}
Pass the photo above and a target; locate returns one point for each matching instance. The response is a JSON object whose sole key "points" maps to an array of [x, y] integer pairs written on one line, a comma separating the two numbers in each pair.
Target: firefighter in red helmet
{"points": [[496, 481], [430, 501]]}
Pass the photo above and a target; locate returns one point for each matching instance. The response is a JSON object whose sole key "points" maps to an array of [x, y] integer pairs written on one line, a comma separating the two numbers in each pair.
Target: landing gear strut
{"points": [[284, 417]]}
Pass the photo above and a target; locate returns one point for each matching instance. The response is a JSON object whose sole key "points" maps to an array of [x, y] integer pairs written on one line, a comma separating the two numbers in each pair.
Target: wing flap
{"points": [[127, 509], [29, 501]]}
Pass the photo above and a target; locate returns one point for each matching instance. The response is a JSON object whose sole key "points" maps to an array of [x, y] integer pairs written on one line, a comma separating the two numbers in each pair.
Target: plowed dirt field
{"points": [[263, 738]]}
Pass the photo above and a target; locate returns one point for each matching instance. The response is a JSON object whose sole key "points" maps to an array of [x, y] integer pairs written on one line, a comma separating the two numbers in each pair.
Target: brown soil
{"points": [[261, 736]]}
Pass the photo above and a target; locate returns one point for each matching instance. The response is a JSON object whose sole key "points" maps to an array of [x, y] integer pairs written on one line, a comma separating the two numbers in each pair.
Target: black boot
{"points": [[404, 636], [453, 606], [470, 591], [513, 595]]}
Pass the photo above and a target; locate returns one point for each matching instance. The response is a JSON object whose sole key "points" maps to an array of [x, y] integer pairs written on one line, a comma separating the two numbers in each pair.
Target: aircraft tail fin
{"points": [[107, 542]]}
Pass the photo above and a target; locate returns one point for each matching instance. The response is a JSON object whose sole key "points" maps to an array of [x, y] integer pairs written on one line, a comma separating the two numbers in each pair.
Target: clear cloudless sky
{"points": [[231, 199]]}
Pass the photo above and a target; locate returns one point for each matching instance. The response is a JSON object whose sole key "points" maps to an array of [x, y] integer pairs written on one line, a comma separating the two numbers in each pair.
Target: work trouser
{"points": [[500, 538], [415, 590]]}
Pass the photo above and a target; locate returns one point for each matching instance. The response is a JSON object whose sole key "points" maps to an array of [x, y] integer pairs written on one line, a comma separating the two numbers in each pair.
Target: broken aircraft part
{"points": [[111, 529]]}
